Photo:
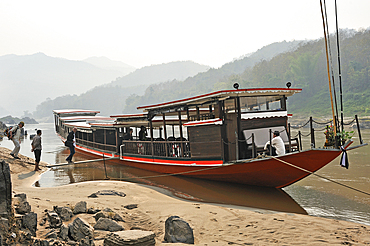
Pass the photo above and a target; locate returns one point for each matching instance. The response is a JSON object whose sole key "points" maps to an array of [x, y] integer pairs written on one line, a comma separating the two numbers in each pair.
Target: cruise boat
{"points": [[217, 136]]}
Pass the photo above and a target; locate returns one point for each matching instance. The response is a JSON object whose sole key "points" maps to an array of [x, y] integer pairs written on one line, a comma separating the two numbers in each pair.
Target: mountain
{"points": [[107, 64], [110, 98], [179, 70], [213, 79], [30, 79]]}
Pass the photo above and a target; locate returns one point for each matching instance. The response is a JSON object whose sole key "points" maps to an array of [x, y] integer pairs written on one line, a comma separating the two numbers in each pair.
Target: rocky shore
{"points": [[113, 213]]}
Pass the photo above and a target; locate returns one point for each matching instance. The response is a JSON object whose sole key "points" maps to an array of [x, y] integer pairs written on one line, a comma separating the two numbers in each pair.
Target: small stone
{"points": [[106, 224], [80, 207]]}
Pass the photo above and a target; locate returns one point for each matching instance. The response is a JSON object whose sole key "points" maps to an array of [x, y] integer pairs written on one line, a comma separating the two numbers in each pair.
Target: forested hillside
{"points": [[110, 98], [305, 67]]}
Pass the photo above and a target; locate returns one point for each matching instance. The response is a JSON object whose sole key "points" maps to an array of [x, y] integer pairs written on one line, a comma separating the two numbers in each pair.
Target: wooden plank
{"points": [[82, 162]]}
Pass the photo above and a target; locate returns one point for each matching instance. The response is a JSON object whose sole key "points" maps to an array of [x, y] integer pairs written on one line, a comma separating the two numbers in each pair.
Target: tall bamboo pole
{"points": [[328, 67]]}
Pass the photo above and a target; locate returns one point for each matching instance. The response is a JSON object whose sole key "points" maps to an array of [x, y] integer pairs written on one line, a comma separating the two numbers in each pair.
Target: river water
{"points": [[313, 195]]}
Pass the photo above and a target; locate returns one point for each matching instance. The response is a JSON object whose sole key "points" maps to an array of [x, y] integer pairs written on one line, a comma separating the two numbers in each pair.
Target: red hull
{"points": [[266, 172]]}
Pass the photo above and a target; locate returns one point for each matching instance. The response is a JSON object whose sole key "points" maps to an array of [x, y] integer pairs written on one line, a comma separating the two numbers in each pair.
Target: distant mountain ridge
{"points": [[34, 78], [110, 98], [108, 64]]}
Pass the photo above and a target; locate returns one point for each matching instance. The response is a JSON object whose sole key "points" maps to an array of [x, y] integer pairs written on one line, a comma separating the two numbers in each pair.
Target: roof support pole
{"points": [[151, 135], [165, 132], [181, 135]]}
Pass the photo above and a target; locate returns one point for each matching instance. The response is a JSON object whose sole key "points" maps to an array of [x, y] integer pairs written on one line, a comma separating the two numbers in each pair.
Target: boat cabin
{"points": [[222, 126]]}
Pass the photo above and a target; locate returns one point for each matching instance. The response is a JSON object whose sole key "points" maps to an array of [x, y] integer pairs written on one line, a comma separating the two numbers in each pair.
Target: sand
{"points": [[212, 224]]}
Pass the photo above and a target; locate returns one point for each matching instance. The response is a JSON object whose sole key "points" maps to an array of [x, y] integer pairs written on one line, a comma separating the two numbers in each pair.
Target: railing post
{"points": [[300, 140], [358, 129], [236, 146], [270, 132], [290, 141], [312, 133], [253, 146]]}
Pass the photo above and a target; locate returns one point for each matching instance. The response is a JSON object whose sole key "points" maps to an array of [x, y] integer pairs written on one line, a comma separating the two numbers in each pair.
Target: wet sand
{"points": [[212, 224]]}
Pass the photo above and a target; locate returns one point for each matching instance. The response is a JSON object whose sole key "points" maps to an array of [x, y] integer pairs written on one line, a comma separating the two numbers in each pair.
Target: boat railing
{"points": [[101, 146], [157, 148]]}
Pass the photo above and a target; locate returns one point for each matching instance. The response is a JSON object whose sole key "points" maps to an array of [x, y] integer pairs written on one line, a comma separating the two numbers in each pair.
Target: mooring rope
{"points": [[320, 176]]}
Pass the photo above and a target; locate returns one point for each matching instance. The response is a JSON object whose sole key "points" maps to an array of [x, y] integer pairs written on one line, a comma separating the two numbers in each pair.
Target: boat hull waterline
{"points": [[268, 172]]}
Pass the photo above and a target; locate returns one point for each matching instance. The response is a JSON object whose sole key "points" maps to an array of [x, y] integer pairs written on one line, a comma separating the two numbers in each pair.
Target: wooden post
{"points": [[181, 135], [270, 133], [253, 146], [358, 129], [290, 140], [197, 111], [165, 132], [312, 133], [151, 135]]}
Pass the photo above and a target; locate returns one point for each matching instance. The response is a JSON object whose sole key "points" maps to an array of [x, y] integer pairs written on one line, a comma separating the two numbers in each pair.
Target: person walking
{"points": [[36, 149], [15, 136], [71, 144]]}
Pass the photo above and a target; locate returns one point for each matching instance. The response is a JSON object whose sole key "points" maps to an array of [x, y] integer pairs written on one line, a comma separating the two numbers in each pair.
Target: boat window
{"points": [[253, 104]]}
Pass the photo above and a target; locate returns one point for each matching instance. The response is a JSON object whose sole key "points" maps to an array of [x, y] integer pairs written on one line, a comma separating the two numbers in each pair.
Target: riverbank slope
{"points": [[212, 224]]}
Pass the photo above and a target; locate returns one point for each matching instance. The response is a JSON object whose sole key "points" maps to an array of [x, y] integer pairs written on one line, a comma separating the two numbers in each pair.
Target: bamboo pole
{"points": [[328, 67]]}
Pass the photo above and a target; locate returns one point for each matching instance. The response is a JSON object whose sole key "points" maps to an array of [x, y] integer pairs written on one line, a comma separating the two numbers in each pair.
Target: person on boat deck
{"points": [[128, 135], [142, 133], [277, 143], [36, 149], [15, 136], [71, 138]]}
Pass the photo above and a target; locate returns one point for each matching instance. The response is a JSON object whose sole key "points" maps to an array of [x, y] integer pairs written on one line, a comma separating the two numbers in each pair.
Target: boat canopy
{"points": [[251, 95]]}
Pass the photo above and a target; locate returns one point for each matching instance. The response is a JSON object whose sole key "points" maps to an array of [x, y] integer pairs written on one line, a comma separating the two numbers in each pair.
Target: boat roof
{"points": [[223, 95], [75, 112], [87, 118]]}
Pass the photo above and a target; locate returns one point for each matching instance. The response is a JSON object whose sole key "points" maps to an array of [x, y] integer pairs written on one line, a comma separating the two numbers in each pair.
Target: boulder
{"points": [[178, 231], [63, 233], [23, 207], [106, 224], [29, 222], [111, 215], [131, 237], [80, 229], [54, 219], [80, 207], [66, 214], [5, 191]]}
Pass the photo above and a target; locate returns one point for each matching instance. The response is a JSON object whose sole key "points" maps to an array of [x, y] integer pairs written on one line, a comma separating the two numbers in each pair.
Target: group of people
{"points": [[36, 147], [142, 134]]}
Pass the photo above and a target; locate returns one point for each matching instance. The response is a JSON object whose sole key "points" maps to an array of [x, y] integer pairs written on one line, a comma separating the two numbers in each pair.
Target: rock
{"points": [[63, 233], [22, 197], [86, 242], [106, 224], [5, 191], [130, 206], [93, 210], [23, 207], [54, 219], [112, 215], [80, 207], [132, 237], [80, 229], [66, 214], [107, 210], [178, 231], [29, 221], [107, 192]]}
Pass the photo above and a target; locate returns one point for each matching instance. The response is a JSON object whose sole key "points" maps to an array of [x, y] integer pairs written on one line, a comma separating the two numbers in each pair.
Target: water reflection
{"points": [[182, 187]]}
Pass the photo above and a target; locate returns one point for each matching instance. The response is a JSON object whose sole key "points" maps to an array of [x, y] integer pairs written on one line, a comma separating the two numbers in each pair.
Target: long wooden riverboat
{"points": [[216, 136]]}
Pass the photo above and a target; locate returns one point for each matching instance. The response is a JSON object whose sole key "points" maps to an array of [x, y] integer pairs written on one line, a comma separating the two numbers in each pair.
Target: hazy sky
{"points": [[142, 33]]}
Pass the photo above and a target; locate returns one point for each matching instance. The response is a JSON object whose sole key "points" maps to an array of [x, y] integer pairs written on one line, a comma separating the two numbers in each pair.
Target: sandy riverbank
{"points": [[212, 225]]}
